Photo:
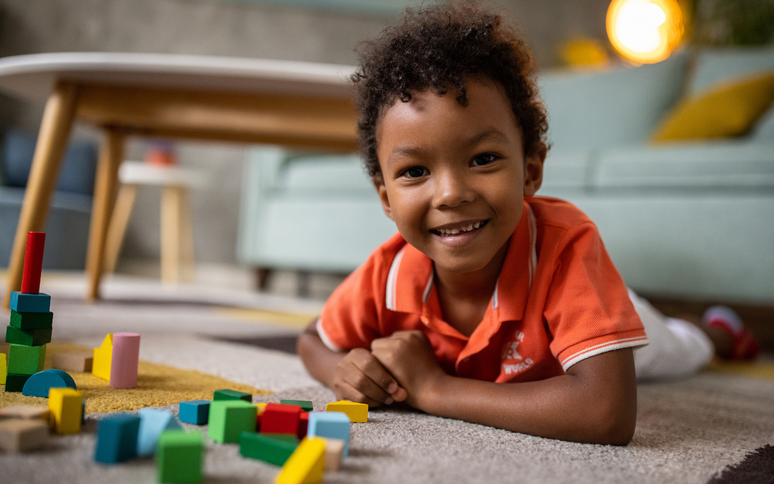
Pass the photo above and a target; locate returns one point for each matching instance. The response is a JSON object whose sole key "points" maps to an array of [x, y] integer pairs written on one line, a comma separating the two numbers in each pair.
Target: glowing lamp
{"points": [[644, 31]]}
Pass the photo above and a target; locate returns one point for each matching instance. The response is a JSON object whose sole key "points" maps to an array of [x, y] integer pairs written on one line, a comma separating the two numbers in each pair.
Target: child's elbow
{"points": [[615, 426]]}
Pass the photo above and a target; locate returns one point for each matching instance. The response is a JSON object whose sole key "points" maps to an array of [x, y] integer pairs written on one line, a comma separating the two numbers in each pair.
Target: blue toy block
{"points": [[30, 303], [152, 423], [40, 383], [195, 412], [117, 439], [334, 425]]}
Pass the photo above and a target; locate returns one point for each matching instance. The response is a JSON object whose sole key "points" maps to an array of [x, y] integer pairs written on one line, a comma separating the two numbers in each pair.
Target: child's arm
{"points": [[356, 376], [595, 402]]}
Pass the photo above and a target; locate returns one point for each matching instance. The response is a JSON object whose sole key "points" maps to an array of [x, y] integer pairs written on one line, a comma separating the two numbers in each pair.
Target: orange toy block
{"points": [[21, 435], [103, 358], [66, 406], [74, 361]]}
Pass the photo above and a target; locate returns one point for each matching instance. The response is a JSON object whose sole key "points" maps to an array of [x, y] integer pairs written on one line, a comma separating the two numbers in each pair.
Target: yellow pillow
{"points": [[729, 110]]}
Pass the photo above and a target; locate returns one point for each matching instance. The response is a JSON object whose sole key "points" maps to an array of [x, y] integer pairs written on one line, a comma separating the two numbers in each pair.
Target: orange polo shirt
{"points": [[558, 301]]}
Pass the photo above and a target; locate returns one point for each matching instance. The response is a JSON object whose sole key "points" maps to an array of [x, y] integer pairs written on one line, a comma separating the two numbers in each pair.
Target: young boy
{"points": [[484, 284]]}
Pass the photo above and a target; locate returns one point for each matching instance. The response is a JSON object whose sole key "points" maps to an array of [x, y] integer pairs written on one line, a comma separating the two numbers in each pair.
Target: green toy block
{"points": [[305, 405], [272, 449], [27, 337], [14, 382], [26, 360], [179, 457], [32, 320], [229, 418], [227, 394]]}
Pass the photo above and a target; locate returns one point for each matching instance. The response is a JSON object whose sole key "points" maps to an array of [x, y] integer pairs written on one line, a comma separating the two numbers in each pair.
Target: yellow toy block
{"points": [[357, 412], [3, 368], [103, 357], [66, 407], [261, 407], [306, 463]]}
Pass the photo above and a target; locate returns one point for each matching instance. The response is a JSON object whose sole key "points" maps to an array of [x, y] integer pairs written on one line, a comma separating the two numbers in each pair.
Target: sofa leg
{"points": [[262, 275]]}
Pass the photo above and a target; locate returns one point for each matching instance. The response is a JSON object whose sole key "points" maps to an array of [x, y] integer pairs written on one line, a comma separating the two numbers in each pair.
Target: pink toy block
{"points": [[126, 358]]}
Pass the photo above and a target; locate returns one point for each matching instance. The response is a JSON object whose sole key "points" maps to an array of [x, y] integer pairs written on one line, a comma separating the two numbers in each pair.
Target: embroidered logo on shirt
{"points": [[511, 354]]}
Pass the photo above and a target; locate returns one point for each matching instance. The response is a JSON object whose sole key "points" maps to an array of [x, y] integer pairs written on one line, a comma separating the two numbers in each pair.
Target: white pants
{"points": [[677, 348]]}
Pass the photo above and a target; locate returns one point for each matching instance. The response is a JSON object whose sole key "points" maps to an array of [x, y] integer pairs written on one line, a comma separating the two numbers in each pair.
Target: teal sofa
{"points": [[683, 220]]}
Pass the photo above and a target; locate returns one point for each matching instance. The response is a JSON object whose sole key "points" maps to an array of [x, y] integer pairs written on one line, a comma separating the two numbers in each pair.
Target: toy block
{"points": [[229, 418], [27, 321], [179, 457], [27, 337], [194, 412], [305, 465], [227, 394], [305, 405], [40, 383], [125, 361], [103, 358], [33, 262], [152, 423], [117, 439], [3, 368], [358, 412], [74, 361], [30, 303], [334, 453], [17, 435], [66, 405], [14, 382], [303, 425], [26, 360], [334, 425], [279, 418], [25, 412], [268, 448]]}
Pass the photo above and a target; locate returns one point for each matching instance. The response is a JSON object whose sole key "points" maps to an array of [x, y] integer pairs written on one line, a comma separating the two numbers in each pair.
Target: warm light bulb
{"points": [[644, 30]]}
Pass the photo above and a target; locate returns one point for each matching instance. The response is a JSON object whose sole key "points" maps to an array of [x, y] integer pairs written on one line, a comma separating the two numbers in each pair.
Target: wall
{"points": [[228, 28]]}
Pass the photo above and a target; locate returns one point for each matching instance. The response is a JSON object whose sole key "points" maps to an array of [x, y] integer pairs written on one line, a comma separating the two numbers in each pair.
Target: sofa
{"points": [[690, 219]]}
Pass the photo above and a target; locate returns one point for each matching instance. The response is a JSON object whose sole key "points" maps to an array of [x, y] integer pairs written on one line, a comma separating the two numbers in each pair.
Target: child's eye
{"points": [[483, 159], [414, 172]]}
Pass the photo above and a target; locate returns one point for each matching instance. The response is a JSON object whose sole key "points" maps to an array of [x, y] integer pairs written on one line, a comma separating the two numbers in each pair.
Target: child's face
{"points": [[455, 177]]}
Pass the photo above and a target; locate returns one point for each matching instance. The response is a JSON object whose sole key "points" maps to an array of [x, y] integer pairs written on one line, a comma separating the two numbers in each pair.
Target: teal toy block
{"points": [[30, 303], [26, 360], [152, 423], [27, 321], [227, 394], [14, 382], [179, 457], [117, 439], [27, 337], [305, 405], [268, 448], [195, 412], [40, 383], [334, 425], [229, 418]]}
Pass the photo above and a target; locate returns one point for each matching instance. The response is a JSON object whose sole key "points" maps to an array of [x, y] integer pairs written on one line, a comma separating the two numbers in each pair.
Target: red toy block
{"points": [[279, 418], [33, 262], [303, 424]]}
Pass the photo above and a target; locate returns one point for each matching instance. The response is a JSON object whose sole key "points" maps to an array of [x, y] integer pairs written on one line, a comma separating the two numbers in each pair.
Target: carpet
{"points": [[697, 430]]}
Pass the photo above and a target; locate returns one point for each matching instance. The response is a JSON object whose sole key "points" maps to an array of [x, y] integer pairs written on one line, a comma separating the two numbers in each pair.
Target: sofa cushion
{"points": [[592, 110], [310, 175], [718, 65]]}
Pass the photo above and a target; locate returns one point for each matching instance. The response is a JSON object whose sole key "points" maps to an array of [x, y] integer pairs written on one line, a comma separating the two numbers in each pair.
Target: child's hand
{"points": [[361, 378], [409, 357]]}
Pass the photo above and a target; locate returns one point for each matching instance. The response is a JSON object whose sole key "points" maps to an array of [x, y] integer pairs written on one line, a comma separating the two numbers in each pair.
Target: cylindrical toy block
{"points": [[126, 358], [33, 262]]}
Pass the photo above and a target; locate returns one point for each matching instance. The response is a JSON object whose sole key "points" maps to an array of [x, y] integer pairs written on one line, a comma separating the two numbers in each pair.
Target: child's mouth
{"points": [[457, 231]]}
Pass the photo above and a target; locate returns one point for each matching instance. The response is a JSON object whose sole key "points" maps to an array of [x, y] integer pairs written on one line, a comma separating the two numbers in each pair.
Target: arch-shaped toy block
{"points": [[39, 384]]}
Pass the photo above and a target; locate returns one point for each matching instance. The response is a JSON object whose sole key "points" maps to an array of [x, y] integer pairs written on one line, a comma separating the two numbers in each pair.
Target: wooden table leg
{"points": [[118, 222], [52, 140], [186, 238], [105, 185], [171, 202]]}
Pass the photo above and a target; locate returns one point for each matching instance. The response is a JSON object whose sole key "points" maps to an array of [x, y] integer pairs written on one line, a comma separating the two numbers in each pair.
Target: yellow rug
{"points": [[157, 385]]}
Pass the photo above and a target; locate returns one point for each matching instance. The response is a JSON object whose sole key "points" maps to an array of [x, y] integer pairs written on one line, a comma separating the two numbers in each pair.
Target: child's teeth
{"points": [[464, 229]]}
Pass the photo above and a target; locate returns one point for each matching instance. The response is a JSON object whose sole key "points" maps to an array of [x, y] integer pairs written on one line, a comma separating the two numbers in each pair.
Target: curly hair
{"points": [[438, 47]]}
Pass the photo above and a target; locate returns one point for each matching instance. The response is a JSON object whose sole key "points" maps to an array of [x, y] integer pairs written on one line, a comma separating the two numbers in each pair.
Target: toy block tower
{"points": [[31, 320]]}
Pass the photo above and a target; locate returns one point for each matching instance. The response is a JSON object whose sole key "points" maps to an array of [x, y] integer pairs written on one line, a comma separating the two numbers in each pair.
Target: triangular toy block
{"points": [[79, 361], [152, 423], [227, 394], [278, 418], [272, 449], [125, 361], [229, 418], [66, 406], [17, 435], [305, 405], [194, 412], [30, 303], [25, 411], [26, 360], [358, 412], [14, 382], [103, 357], [39, 384], [117, 439], [306, 465], [27, 337], [28, 321], [179, 457], [334, 425]]}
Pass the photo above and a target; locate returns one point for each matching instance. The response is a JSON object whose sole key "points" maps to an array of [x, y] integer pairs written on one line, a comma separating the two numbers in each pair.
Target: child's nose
{"points": [[452, 190]]}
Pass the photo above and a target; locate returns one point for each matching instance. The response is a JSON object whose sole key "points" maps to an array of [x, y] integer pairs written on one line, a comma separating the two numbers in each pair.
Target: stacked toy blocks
{"points": [[117, 360], [31, 319]]}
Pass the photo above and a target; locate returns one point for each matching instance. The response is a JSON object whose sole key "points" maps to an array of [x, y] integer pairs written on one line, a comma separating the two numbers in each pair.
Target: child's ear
{"points": [[533, 171], [381, 189]]}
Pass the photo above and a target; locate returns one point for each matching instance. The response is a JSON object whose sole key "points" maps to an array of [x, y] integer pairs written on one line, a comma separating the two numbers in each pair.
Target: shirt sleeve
{"points": [[588, 310]]}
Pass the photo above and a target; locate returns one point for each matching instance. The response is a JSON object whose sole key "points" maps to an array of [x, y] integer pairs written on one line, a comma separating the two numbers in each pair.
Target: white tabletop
{"points": [[33, 76]]}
